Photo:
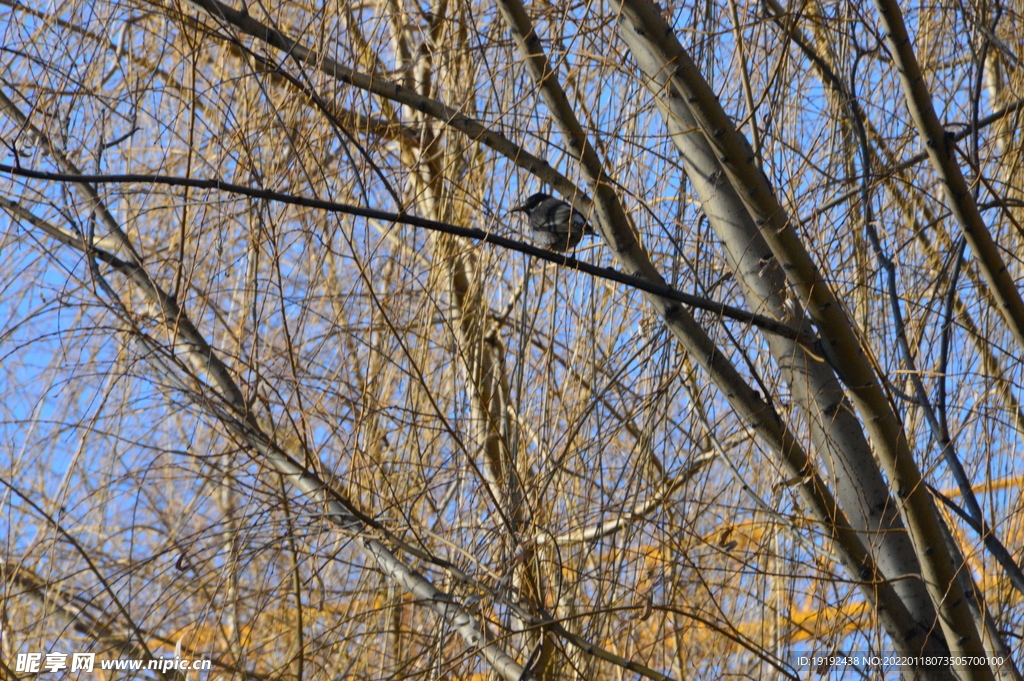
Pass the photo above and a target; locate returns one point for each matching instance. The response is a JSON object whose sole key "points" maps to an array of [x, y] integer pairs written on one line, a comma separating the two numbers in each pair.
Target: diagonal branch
{"points": [[241, 21], [223, 400], [940, 147]]}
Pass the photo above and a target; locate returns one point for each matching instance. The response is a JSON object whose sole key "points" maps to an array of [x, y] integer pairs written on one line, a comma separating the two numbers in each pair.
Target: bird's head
{"points": [[530, 203]]}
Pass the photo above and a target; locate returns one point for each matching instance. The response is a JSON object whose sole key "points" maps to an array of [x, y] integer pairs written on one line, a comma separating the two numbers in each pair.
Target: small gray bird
{"points": [[555, 224]]}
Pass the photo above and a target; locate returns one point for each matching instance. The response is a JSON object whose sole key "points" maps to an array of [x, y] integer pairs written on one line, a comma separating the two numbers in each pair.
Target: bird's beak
{"points": [[517, 209]]}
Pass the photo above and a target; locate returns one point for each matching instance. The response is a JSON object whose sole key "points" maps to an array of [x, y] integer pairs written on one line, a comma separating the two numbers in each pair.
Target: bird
{"points": [[555, 224]]}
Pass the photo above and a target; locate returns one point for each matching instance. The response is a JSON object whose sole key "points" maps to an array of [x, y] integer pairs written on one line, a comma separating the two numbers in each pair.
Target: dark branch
{"points": [[738, 314]]}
